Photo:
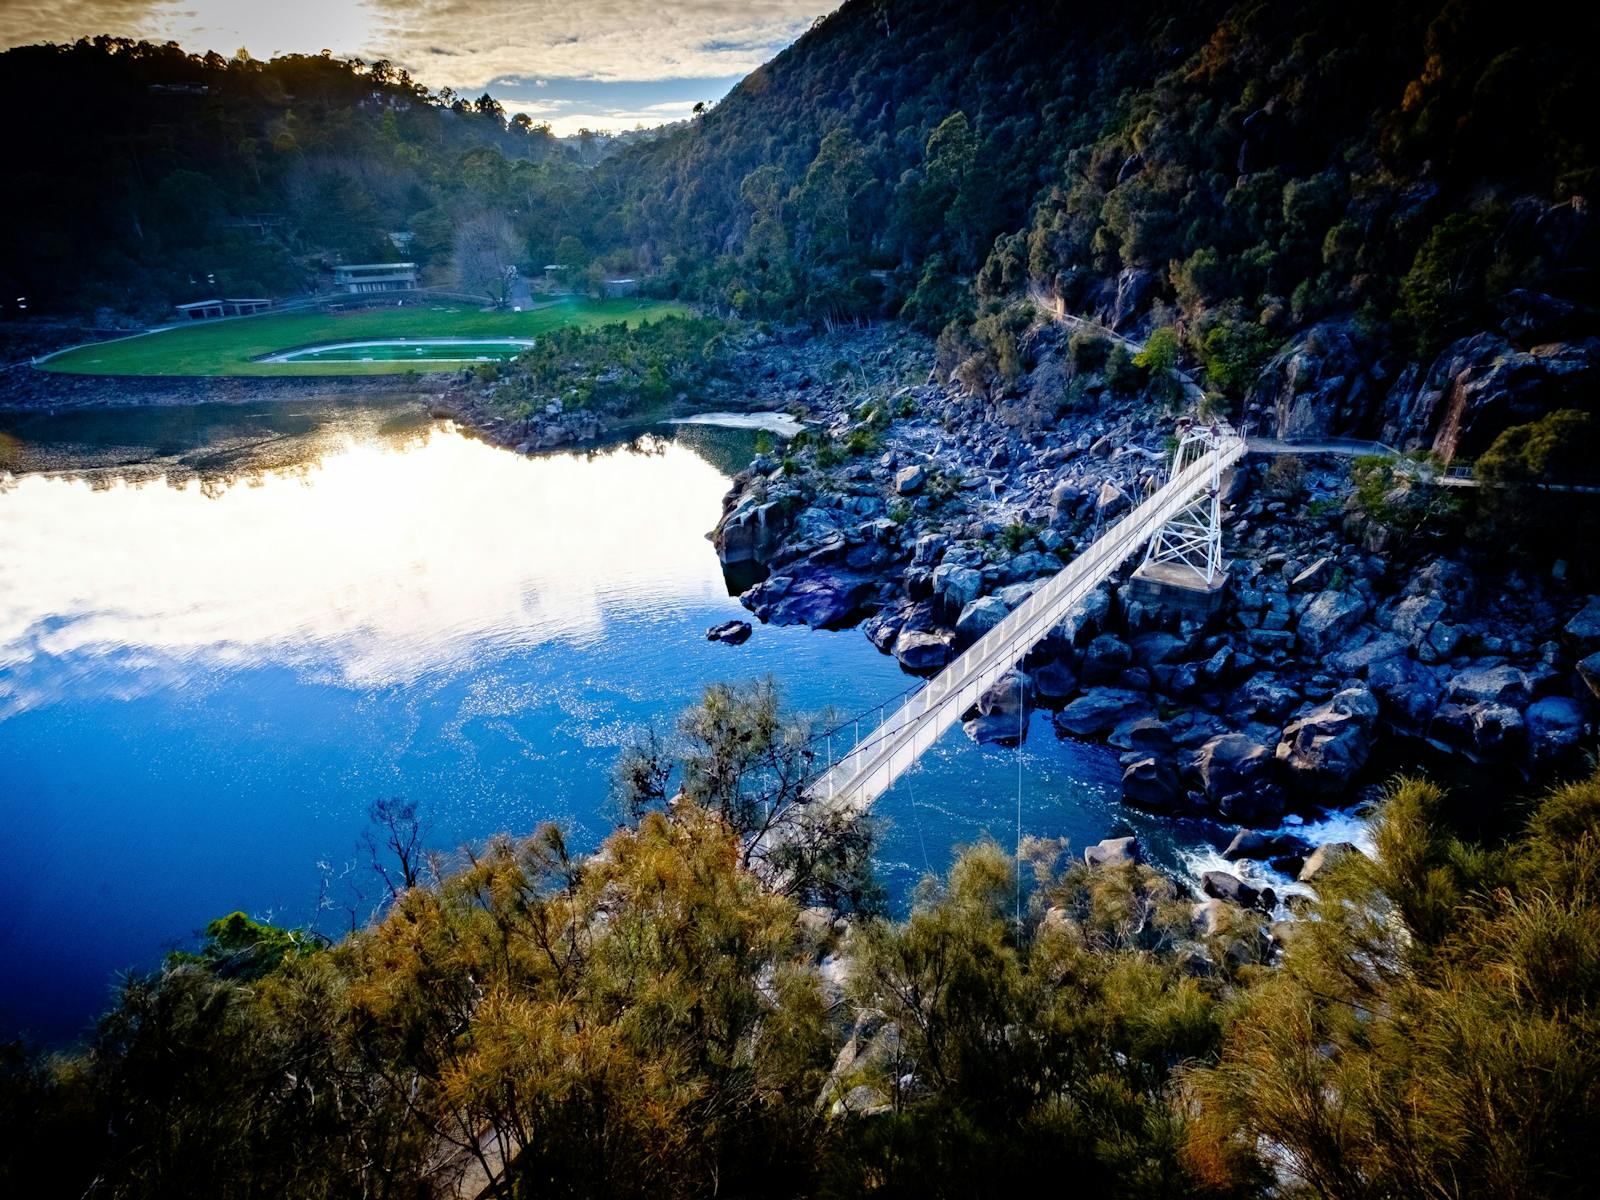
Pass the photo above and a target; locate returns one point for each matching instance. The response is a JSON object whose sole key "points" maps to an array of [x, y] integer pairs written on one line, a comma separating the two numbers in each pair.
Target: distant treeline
{"points": [[140, 175]]}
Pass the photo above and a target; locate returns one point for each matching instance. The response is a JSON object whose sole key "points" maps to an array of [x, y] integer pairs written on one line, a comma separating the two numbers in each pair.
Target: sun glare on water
{"points": [[373, 564]]}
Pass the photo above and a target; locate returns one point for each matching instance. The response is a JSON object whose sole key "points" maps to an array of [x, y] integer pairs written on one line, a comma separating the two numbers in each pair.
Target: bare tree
{"points": [[394, 842], [485, 256]]}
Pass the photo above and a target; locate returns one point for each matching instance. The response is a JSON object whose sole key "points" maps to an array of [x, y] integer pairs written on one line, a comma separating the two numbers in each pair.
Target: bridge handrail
{"points": [[991, 649]]}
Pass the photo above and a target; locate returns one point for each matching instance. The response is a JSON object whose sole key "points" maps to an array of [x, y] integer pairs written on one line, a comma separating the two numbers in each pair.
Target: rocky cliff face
{"points": [[1479, 385]]}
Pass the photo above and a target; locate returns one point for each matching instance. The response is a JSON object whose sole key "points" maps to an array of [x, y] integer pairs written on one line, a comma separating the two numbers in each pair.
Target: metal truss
{"points": [[1193, 537]]}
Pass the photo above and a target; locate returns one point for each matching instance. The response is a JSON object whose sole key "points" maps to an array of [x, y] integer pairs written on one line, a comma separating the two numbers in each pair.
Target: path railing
{"points": [[875, 762]]}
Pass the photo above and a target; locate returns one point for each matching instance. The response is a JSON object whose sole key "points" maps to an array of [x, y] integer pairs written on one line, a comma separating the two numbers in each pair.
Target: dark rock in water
{"points": [[1149, 735], [1201, 829], [1324, 857], [1261, 846], [923, 653], [1114, 852], [1003, 710], [822, 600], [1323, 750], [1054, 680], [883, 627], [734, 633], [1154, 785], [1100, 710], [1287, 864], [1233, 890], [753, 529], [1240, 777]]}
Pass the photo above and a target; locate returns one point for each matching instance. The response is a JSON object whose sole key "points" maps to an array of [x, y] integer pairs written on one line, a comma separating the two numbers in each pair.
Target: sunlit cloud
{"points": [[469, 45]]}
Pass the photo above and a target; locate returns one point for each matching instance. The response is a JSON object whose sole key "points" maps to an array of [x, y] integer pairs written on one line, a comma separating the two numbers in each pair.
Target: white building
{"points": [[357, 278]]}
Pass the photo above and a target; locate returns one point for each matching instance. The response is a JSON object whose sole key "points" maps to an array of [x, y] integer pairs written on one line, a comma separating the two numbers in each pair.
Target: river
{"points": [[225, 631]]}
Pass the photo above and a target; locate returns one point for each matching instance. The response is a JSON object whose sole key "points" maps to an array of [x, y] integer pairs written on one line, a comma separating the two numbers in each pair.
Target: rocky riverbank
{"points": [[926, 514]]}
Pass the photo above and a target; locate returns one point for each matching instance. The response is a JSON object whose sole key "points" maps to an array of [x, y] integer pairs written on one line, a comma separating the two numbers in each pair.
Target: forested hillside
{"points": [[142, 175], [1412, 172], [1252, 167]]}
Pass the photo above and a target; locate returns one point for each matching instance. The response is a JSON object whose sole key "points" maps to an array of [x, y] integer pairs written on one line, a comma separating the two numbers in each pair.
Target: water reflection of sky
{"points": [[386, 563], [225, 632]]}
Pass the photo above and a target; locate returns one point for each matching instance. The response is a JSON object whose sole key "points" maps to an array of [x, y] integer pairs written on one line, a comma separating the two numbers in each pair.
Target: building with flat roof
{"points": [[211, 310], [357, 278]]}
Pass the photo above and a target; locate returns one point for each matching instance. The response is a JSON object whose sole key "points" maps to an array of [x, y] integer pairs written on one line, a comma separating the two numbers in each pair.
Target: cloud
{"points": [[693, 49], [601, 39]]}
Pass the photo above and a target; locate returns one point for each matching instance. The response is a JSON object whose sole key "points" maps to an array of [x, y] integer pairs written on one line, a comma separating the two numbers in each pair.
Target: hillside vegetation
{"points": [[652, 1020]]}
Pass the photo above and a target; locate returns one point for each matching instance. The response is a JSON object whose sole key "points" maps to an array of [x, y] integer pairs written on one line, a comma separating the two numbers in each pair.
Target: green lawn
{"points": [[230, 347]]}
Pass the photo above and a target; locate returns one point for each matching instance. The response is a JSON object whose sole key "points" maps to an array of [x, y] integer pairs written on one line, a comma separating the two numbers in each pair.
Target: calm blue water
{"points": [[225, 632]]}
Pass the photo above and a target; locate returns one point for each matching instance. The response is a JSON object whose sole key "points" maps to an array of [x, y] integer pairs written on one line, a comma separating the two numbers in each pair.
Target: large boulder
{"points": [[1584, 628], [1002, 712], [1114, 852], [1260, 846], [1233, 890], [1498, 685], [956, 586], [1486, 730], [1329, 617], [923, 652], [1054, 681], [1066, 501], [1556, 731], [979, 616], [908, 480], [1409, 690], [1239, 775], [822, 599], [1153, 784], [1100, 710], [1589, 672], [1322, 751], [753, 529], [1105, 658]]}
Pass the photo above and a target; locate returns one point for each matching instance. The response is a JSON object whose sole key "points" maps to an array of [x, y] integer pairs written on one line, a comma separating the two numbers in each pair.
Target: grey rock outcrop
{"points": [[1322, 750]]}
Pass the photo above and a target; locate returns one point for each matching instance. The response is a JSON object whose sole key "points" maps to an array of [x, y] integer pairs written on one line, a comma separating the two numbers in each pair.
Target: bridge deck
{"points": [[873, 765]]}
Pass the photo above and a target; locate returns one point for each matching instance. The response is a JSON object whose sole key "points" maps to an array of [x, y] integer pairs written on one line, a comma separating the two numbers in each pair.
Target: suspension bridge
{"points": [[1179, 526]]}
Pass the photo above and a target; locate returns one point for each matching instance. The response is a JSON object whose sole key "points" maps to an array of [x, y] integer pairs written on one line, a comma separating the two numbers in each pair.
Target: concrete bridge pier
{"points": [[1177, 587]]}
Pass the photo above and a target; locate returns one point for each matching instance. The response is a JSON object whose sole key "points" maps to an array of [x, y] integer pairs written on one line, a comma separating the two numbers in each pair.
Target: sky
{"points": [[600, 64]]}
